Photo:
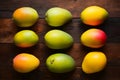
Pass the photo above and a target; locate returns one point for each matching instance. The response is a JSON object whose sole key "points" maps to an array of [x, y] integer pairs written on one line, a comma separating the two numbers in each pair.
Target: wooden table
{"points": [[8, 50]]}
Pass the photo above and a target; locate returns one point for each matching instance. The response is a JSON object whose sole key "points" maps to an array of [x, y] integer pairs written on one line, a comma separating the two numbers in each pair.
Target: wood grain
{"points": [[111, 27], [8, 50], [75, 6], [75, 28]]}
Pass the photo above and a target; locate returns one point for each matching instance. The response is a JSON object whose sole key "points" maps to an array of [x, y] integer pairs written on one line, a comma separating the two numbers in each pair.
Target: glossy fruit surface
{"points": [[25, 16], [60, 63], [25, 38], [57, 16], [94, 62], [93, 15], [94, 38], [25, 62], [58, 39]]}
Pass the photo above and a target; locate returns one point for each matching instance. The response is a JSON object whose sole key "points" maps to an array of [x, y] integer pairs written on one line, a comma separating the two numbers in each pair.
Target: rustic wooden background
{"points": [[8, 50]]}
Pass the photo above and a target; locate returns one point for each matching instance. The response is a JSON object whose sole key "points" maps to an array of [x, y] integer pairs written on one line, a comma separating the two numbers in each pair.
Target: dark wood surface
{"points": [[8, 50]]}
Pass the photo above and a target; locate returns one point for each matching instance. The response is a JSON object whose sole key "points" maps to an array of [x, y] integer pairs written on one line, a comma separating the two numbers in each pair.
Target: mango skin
{"points": [[93, 38], [25, 16], [94, 15], [25, 62], [58, 39], [60, 63], [26, 38], [94, 62], [57, 16]]}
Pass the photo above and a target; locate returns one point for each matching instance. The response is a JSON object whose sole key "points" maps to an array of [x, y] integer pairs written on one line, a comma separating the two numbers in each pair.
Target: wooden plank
{"points": [[75, 6], [75, 28], [8, 29], [77, 51], [9, 50]]}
